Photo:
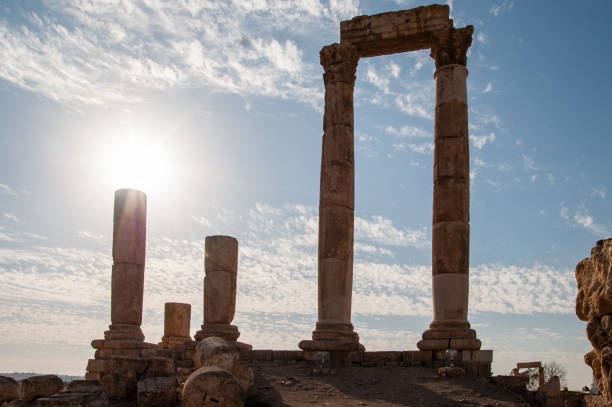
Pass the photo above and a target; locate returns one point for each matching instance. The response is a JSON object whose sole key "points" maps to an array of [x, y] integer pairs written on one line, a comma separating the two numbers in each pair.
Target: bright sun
{"points": [[135, 161]]}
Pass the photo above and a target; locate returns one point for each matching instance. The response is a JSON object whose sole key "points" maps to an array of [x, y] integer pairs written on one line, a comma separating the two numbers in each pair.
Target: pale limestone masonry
{"points": [[221, 271], [594, 305], [382, 34], [177, 320]]}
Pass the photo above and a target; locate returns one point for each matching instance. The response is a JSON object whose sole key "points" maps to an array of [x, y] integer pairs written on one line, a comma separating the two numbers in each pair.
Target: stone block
{"points": [[209, 385], [338, 103], [120, 383], [156, 392], [129, 242], [209, 347], [164, 353], [354, 357], [258, 354], [337, 186], [322, 359], [287, 355], [451, 121], [219, 296], [9, 389], [336, 232], [177, 318], [221, 253], [450, 248], [400, 31], [451, 201], [450, 84], [78, 393], [382, 356], [238, 369], [127, 285], [159, 367], [451, 159], [482, 355], [338, 146], [451, 372], [40, 386]]}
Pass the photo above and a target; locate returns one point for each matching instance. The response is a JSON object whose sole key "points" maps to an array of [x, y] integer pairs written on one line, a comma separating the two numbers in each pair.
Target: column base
{"points": [[332, 337], [225, 331], [452, 334], [124, 332], [174, 342]]}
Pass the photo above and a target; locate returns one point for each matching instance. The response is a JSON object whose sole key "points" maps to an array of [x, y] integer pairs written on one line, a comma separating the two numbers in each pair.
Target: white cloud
{"points": [[600, 192], [408, 132], [11, 217], [99, 56], [495, 10], [481, 37], [95, 237], [563, 212], [528, 163], [585, 220], [201, 220], [480, 141], [488, 88], [5, 189], [380, 230], [415, 104]]}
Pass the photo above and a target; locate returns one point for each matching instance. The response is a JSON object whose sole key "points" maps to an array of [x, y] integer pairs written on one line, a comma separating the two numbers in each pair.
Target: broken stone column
{"points": [[594, 305], [221, 268], [177, 320], [334, 331], [451, 197], [127, 280]]}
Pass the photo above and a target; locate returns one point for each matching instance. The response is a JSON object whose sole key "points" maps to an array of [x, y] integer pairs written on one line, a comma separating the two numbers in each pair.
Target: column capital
{"points": [[450, 47], [339, 62]]}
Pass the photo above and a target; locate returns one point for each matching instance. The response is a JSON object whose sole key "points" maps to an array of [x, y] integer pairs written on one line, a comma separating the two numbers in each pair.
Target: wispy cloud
{"points": [[85, 53], [600, 192], [585, 220], [11, 217], [480, 141], [5, 189]]}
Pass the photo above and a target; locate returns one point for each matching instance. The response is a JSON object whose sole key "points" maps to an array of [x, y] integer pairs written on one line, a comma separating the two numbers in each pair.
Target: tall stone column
{"points": [[451, 198], [221, 268], [127, 280], [334, 331]]}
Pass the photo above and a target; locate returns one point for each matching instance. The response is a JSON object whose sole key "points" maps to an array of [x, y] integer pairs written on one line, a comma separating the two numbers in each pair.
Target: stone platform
{"points": [[475, 363]]}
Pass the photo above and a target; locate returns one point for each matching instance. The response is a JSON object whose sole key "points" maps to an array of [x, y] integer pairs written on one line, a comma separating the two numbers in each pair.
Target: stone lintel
{"points": [[393, 32]]}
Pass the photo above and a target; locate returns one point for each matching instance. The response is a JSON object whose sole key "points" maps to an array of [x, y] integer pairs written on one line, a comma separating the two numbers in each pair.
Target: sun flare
{"points": [[137, 162]]}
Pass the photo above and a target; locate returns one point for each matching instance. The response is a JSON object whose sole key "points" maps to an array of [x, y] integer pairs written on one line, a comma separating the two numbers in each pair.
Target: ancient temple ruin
{"points": [[370, 36]]}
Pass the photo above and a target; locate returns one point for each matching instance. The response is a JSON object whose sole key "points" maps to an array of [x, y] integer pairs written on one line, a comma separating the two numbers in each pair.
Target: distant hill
{"points": [[20, 376]]}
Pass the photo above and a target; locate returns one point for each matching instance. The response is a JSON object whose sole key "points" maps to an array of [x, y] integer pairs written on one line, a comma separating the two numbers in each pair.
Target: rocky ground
{"points": [[295, 386]]}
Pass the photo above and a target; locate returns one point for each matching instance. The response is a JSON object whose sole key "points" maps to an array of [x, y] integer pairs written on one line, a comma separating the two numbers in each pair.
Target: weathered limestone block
{"points": [[451, 372], [594, 304], [156, 392], [78, 393], [127, 289], [212, 386], [225, 354], [129, 227], [400, 31], [9, 389], [119, 384], [159, 367], [40, 386], [594, 278], [177, 320]]}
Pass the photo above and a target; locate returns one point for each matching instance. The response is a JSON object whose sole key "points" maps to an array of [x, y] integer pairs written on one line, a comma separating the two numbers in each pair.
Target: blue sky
{"points": [[214, 109]]}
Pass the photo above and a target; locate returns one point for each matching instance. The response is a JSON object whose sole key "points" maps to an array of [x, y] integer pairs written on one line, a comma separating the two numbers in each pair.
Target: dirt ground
{"points": [[295, 386]]}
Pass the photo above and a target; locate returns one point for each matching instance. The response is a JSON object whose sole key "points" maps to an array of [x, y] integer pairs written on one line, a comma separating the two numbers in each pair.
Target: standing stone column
{"points": [[221, 268], [177, 321], [451, 198], [334, 331], [127, 280]]}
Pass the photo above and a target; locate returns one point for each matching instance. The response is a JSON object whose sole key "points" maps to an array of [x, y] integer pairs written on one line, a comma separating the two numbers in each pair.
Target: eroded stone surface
{"points": [[78, 393], [156, 392], [209, 386], [9, 389], [594, 304], [40, 386]]}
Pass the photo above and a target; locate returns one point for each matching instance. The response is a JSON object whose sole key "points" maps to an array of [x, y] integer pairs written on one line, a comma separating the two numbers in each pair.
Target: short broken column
{"points": [[334, 331], [221, 271], [177, 321], [127, 280], [451, 198]]}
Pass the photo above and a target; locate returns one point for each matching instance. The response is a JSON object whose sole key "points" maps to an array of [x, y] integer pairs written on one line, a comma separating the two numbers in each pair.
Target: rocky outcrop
{"points": [[40, 386], [9, 389], [594, 304]]}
